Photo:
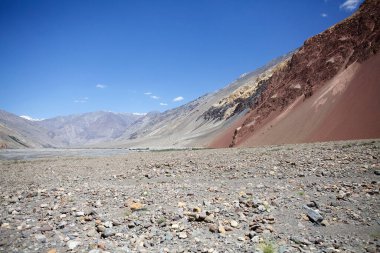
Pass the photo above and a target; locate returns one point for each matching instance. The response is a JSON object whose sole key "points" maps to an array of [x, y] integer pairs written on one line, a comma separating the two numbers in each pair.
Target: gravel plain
{"points": [[321, 197]]}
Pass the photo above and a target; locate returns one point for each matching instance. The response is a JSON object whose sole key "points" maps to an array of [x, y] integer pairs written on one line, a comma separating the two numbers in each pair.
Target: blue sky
{"points": [[67, 57]]}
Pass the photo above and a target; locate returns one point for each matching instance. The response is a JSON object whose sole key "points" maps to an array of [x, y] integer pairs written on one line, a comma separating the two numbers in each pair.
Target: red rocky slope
{"points": [[343, 50]]}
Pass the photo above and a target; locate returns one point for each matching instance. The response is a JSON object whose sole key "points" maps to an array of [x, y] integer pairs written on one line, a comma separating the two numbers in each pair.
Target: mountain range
{"points": [[328, 89]]}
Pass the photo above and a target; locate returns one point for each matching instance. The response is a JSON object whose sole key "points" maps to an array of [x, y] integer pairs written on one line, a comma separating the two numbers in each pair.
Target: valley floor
{"points": [[225, 200]]}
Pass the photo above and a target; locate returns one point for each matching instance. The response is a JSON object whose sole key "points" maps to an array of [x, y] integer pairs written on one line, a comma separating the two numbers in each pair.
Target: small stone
{"points": [[108, 224], [52, 251], [182, 235], [377, 172], [101, 228], [41, 238], [78, 214], [213, 228], [46, 228], [299, 240], [325, 223], [136, 206], [221, 229], [228, 228], [234, 223], [101, 245], [116, 223], [341, 195], [6, 225], [202, 216], [255, 239], [270, 228], [108, 232], [132, 224], [168, 236], [371, 249], [312, 214], [175, 226], [261, 208], [312, 204], [197, 209], [72, 244], [98, 203], [209, 218], [25, 234], [92, 233], [62, 224]]}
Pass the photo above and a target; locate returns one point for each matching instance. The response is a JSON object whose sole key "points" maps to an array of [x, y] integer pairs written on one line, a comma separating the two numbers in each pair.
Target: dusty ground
{"points": [[227, 200]]}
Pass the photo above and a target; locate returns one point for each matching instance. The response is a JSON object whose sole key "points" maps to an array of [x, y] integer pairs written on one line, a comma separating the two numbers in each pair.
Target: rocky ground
{"points": [[293, 198]]}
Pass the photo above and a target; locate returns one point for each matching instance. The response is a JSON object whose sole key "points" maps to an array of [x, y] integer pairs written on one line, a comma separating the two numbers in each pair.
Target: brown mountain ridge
{"points": [[339, 70]]}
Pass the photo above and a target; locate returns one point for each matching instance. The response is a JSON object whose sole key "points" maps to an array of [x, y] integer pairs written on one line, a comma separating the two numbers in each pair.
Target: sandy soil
{"points": [[226, 200]]}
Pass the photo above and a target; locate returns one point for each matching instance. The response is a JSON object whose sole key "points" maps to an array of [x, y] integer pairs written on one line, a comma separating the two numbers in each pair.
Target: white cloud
{"points": [[177, 99], [324, 15], [81, 100], [101, 86], [30, 118], [350, 5], [163, 104], [150, 94], [139, 113]]}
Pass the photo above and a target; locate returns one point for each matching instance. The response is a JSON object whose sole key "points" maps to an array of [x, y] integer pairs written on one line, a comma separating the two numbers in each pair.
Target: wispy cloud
{"points": [[350, 5], [177, 99], [101, 86], [139, 113], [150, 94], [163, 104], [30, 118], [81, 100], [324, 15]]}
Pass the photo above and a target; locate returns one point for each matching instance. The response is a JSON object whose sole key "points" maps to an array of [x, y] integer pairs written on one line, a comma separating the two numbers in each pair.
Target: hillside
{"points": [[193, 124], [328, 90], [16, 132]]}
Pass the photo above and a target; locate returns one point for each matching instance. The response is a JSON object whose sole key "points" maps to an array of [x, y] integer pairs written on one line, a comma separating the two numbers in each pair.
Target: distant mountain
{"points": [[17, 132], [88, 128], [64, 131]]}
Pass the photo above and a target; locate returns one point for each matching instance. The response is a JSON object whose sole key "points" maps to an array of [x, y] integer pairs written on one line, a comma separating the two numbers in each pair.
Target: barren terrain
{"points": [[227, 200]]}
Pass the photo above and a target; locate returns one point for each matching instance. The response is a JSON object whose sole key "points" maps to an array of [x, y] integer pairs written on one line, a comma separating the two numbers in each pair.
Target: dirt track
{"points": [[227, 200]]}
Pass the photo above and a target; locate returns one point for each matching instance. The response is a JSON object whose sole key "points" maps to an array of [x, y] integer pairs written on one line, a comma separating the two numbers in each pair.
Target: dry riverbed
{"points": [[292, 198]]}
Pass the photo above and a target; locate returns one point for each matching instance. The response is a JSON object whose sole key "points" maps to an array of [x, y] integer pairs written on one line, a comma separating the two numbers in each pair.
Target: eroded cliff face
{"points": [[245, 96], [322, 57]]}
